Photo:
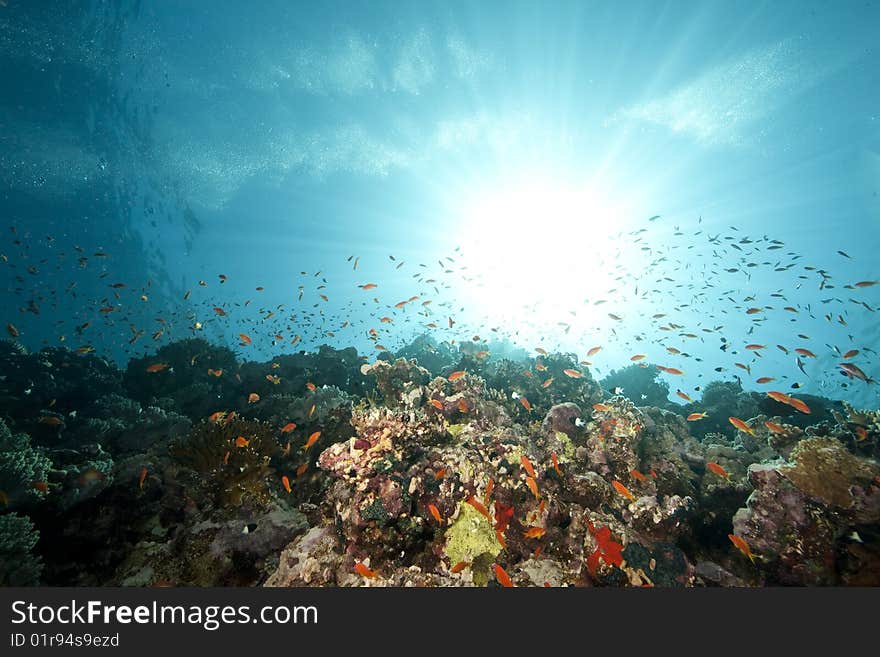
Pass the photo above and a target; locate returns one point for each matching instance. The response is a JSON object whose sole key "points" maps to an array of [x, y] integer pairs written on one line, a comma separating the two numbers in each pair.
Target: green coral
{"points": [[18, 565], [567, 446], [470, 536], [20, 467]]}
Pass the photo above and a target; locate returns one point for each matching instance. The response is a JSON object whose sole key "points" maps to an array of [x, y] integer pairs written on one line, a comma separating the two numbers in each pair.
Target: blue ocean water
{"points": [[633, 176]]}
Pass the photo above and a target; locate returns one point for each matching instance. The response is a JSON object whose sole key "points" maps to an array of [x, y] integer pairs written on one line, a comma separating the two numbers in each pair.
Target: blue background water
{"points": [[260, 141]]}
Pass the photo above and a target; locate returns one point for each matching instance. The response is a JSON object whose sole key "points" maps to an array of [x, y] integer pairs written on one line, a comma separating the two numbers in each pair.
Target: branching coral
{"points": [[18, 565], [23, 469]]}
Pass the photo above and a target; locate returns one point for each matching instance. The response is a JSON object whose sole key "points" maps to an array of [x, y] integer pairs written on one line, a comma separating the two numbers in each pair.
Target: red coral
{"points": [[609, 551]]}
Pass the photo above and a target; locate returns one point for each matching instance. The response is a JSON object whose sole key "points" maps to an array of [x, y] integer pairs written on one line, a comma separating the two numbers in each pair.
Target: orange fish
{"points": [[253, 398], [526, 404], [623, 490], [533, 486], [51, 420], [481, 354], [540, 367], [455, 376], [602, 408], [241, 441], [436, 403], [217, 417], [669, 370], [805, 353], [541, 351], [594, 351], [862, 433], [300, 471], [574, 374], [215, 372], [866, 283], [311, 386], [368, 286], [312, 440], [440, 474], [547, 383], [457, 568], [781, 397], [683, 395], [742, 426], [41, 486], [489, 488], [534, 532], [555, 463], [717, 469], [157, 367], [752, 311], [220, 312], [635, 474], [775, 428], [436, 513], [502, 576], [142, 478], [638, 357], [693, 417], [274, 380], [742, 546], [287, 428], [286, 482], [765, 379], [527, 465], [474, 502], [755, 347], [363, 571], [462, 406], [799, 405], [852, 353], [245, 338]]}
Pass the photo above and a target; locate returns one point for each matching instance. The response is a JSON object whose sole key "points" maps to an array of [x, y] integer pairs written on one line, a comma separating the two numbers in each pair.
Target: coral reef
{"points": [[18, 564], [24, 470]]}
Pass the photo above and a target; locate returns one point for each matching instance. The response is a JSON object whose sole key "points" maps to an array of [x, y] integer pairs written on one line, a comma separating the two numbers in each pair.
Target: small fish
{"points": [[594, 351], [273, 379], [534, 532], [765, 379], [363, 571], [41, 486], [455, 376], [635, 474], [533, 486], [241, 441], [527, 465], [226, 457], [462, 406], [775, 428], [670, 370], [311, 411], [579, 422], [693, 417], [51, 420], [157, 367], [525, 403], [245, 338], [852, 353], [602, 408], [300, 471], [311, 386], [489, 488], [866, 283], [717, 469], [555, 463], [638, 357], [623, 490], [683, 395], [574, 374], [436, 403], [853, 371], [253, 398], [220, 312], [502, 576], [142, 477], [742, 546], [742, 426], [474, 502], [312, 440], [217, 373], [806, 353], [368, 286], [461, 565], [287, 428], [436, 513], [12, 330]]}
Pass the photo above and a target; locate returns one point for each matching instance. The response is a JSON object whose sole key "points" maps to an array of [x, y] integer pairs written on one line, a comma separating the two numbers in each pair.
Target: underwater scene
{"points": [[439, 294]]}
